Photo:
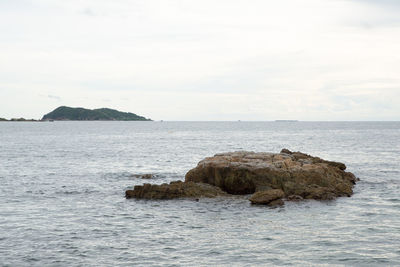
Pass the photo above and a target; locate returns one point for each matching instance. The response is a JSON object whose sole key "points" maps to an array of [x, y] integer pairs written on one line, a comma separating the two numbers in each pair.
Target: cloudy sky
{"points": [[203, 60]]}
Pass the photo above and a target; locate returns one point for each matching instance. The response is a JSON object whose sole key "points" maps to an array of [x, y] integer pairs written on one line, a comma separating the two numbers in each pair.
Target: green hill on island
{"points": [[82, 114]]}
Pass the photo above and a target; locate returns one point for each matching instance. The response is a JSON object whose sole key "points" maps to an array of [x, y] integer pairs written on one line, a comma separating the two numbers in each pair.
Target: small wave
{"points": [[35, 192], [76, 192], [143, 175]]}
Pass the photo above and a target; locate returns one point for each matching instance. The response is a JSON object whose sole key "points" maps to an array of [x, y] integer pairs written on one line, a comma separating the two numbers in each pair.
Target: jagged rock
{"points": [[176, 189], [295, 173], [268, 176], [266, 197]]}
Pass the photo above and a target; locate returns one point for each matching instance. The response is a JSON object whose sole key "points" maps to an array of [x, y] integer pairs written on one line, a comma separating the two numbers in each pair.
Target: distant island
{"points": [[17, 119], [82, 114]]}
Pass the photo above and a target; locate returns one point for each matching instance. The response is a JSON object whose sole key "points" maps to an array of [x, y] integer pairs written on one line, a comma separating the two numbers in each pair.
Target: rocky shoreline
{"points": [[269, 177]]}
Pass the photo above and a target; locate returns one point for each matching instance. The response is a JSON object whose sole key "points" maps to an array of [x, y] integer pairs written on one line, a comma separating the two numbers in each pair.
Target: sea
{"points": [[62, 196]]}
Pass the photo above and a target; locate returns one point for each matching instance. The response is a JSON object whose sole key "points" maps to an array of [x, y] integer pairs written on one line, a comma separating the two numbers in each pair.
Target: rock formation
{"points": [[176, 189], [270, 177]]}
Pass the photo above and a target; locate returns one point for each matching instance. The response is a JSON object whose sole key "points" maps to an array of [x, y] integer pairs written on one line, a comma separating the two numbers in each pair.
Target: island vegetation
{"points": [[17, 119], [82, 114]]}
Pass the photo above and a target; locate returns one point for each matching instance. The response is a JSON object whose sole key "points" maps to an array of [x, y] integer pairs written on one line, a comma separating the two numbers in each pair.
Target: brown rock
{"points": [[295, 173], [176, 189], [299, 155], [286, 151], [276, 203], [269, 176], [266, 197], [294, 198]]}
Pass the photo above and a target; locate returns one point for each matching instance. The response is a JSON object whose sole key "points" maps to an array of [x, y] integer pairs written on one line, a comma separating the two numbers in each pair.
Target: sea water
{"points": [[62, 199]]}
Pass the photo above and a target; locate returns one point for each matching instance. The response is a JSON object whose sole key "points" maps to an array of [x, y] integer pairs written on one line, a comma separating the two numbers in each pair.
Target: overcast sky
{"points": [[203, 60]]}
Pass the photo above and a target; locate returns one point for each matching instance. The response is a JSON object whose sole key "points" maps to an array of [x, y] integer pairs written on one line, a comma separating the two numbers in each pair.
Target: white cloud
{"points": [[196, 60]]}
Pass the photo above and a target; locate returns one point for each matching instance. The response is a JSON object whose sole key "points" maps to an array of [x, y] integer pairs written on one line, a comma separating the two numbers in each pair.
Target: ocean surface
{"points": [[62, 200]]}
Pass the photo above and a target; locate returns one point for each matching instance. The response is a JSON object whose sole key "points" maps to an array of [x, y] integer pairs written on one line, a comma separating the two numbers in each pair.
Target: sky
{"points": [[206, 60]]}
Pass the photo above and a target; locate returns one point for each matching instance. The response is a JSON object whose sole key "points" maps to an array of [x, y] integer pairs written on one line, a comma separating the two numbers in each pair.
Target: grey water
{"points": [[62, 198]]}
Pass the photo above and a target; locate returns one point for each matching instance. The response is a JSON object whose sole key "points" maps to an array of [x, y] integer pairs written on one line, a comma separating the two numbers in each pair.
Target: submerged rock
{"points": [[143, 176], [176, 189], [276, 203], [268, 176]]}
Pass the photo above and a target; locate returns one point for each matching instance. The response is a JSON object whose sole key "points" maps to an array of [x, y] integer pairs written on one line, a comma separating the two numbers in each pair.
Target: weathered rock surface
{"points": [[266, 197], [294, 173], [177, 189], [269, 177]]}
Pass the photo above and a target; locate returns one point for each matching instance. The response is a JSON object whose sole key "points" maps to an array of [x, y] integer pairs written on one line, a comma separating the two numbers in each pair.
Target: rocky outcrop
{"points": [[269, 177], [294, 173], [177, 189]]}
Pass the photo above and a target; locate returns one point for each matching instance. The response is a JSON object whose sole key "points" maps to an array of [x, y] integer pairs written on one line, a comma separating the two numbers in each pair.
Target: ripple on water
{"points": [[60, 207]]}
